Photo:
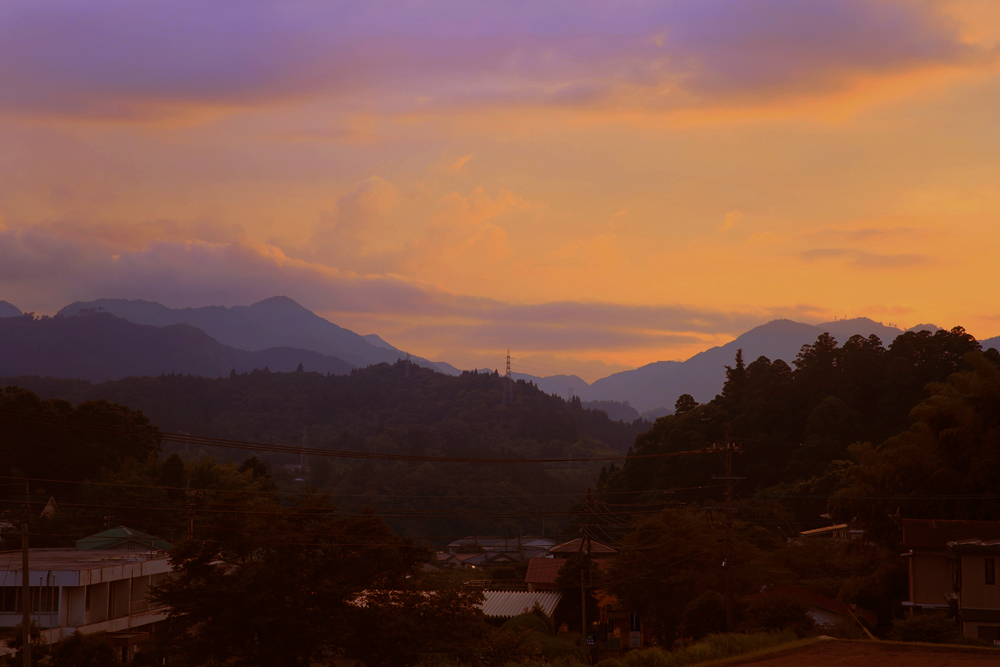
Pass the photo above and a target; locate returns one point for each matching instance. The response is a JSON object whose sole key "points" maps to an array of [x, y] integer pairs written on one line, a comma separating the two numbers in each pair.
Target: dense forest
{"points": [[819, 434], [384, 409]]}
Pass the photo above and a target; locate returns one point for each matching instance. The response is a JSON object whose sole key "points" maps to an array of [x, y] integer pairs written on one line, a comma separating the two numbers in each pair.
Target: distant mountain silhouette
{"points": [[614, 410], [9, 310], [100, 346], [274, 322], [991, 342], [658, 385]]}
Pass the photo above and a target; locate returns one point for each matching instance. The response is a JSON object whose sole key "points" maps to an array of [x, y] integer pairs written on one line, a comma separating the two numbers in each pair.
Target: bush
{"points": [[704, 615], [713, 647], [535, 620], [934, 627], [776, 612], [80, 650]]}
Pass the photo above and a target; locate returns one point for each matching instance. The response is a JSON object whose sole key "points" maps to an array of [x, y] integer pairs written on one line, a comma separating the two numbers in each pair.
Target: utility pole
{"points": [[25, 581], [508, 386], [727, 564]]}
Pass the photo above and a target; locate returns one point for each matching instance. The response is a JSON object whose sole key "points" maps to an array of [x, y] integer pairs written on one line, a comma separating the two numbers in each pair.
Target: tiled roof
{"points": [[543, 570], [507, 604], [937, 533]]}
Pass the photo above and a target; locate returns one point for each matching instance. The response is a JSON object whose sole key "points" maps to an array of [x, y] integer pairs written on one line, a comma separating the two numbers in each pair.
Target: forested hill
{"points": [[927, 406], [100, 346], [391, 409]]}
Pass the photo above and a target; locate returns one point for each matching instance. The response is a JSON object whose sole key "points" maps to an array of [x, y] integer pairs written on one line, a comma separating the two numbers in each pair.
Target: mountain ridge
{"points": [[277, 321], [100, 347]]}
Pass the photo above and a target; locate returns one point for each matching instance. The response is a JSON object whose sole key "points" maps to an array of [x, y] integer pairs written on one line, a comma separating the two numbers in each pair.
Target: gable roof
{"points": [[123, 538], [937, 533], [573, 547]]}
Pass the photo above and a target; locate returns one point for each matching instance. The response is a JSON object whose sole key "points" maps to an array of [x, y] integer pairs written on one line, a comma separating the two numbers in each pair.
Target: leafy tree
{"points": [[79, 650], [942, 467], [395, 628], [685, 403], [273, 585], [704, 615]]}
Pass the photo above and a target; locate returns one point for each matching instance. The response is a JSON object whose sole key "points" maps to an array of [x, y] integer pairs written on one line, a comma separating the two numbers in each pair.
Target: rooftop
{"points": [[507, 604], [543, 570], [937, 533], [71, 559], [121, 536]]}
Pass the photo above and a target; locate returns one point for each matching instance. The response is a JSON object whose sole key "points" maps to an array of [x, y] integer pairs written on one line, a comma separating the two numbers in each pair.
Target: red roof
{"points": [[543, 570], [937, 533], [822, 601]]}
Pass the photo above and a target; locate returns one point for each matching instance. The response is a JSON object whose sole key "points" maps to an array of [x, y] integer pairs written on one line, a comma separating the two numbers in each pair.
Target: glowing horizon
{"points": [[600, 186]]}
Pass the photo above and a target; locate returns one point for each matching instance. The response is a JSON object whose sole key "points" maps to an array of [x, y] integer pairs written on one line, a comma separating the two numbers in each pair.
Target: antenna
{"points": [[508, 386]]}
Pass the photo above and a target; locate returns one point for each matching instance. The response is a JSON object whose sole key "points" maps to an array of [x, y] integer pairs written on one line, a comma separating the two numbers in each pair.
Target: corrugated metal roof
{"points": [[507, 604]]}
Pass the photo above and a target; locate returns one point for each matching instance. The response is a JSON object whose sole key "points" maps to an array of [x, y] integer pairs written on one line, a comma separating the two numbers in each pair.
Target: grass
{"points": [[714, 648]]}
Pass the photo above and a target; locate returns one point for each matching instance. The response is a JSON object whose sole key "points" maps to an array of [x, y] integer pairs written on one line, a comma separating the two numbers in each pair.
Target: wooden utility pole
{"points": [[727, 564], [25, 582]]}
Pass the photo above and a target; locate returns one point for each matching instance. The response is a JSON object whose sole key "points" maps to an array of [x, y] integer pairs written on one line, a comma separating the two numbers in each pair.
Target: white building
{"points": [[89, 591]]}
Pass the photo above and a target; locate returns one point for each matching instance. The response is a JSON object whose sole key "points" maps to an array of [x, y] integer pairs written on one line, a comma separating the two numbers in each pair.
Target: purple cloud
{"points": [[118, 58]]}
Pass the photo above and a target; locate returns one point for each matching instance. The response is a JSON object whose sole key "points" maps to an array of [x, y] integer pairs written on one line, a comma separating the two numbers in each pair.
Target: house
{"points": [[933, 566], [90, 591], [123, 539], [455, 561], [517, 549], [978, 591]]}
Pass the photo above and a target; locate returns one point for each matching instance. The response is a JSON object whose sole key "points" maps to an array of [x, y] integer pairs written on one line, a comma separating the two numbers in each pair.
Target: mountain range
{"points": [[274, 322], [148, 338], [99, 347]]}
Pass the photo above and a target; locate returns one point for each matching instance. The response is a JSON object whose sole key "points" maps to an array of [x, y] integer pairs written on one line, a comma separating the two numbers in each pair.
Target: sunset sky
{"points": [[593, 185]]}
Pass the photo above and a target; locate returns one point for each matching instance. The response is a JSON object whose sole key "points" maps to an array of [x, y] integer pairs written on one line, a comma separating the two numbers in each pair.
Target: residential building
{"points": [[90, 591], [933, 567], [978, 590]]}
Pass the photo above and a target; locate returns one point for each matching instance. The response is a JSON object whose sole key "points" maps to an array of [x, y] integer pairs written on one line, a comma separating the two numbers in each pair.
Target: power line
{"points": [[186, 438]]}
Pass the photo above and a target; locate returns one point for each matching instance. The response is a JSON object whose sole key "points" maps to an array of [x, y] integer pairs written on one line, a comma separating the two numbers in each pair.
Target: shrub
{"points": [[777, 612], [934, 627], [704, 615]]}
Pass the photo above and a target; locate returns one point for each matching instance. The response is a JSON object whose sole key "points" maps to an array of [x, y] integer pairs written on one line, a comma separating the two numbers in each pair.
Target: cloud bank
{"points": [[123, 59]]}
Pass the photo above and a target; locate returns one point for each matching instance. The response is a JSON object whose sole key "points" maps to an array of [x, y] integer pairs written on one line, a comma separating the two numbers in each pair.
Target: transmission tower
{"points": [[508, 384]]}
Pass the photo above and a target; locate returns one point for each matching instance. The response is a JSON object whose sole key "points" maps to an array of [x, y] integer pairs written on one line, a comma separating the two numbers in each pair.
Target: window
{"points": [[44, 599], [991, 572]]}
